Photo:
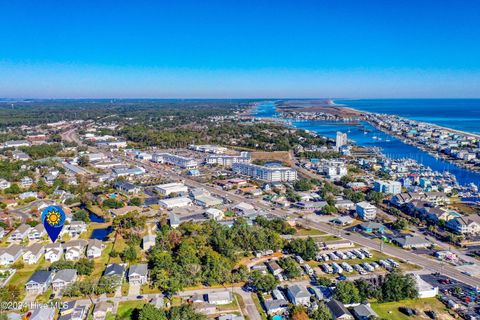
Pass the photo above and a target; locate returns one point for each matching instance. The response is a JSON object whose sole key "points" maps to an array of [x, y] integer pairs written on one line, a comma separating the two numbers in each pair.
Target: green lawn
{"points": [[126, 308], [259, 306], [389, 310], [309, 232]]}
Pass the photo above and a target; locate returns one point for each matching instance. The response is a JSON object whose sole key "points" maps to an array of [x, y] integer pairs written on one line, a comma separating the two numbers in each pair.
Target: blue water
{"points": [[394, 148], [459, 114], [101, 234]]}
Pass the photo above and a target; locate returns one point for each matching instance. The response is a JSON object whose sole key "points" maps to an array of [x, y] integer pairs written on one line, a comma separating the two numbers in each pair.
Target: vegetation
{"points": [[305, 248]]}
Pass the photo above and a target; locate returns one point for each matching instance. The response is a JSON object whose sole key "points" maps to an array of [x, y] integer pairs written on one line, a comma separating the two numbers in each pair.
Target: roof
{"points": [[364, 311], [41, 276], [299, 291], [66, 275], [275, 304], [140, 269], [411, 241], [372, 225], [220, 295], [114, 270], [337, 308]]}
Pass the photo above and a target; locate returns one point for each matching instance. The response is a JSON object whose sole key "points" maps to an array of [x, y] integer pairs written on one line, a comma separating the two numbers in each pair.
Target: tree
{"points": [[107, 284], [84, 266], [306, 248], [264, 282], [81, 215], [290, 267], [298, 313], [13, 189], [9, 293], [400, 224], [397, 286], [150, 312], [136, 201], [321, 313], [376, 197], [129, 254], [328, 209], [347, 292], [303, 185], [367, 290], [83, 161]]}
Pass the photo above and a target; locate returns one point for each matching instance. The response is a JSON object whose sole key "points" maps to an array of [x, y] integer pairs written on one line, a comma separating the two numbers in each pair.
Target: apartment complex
{"points": [[266, 173]]}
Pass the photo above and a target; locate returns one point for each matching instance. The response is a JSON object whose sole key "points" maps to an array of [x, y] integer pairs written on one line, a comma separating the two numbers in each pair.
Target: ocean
{"points": [[441, 112]]}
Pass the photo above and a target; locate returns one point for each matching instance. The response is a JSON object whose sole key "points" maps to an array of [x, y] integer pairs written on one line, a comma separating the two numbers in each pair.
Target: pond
{"points": [[101, 234]]}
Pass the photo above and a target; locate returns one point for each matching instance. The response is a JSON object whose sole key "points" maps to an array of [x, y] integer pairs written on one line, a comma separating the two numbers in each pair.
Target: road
{"points": [[429, 264]]}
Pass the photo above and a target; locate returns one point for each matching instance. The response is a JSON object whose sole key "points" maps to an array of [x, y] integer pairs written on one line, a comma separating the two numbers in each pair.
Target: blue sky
{"points": [[334, 48]]}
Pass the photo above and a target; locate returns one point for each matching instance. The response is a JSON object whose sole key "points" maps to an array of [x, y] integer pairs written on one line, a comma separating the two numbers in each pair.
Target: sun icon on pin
{"points": [[53, 218]]}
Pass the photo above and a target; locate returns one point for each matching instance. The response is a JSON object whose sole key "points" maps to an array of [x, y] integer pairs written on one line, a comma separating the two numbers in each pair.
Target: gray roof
{"points": [[337, 308], [140, 269], [275, 304], [41, 276], [67, 275], [114, 270], [411, 241], [299, 291], [364, 311]]}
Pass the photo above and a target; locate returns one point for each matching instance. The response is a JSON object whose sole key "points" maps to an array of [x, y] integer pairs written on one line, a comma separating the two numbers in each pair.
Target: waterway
{"points": [[390, 146]]}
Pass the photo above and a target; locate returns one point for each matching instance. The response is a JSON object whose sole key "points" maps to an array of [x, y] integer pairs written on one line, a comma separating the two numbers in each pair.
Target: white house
{"points": [[63, 278], [53, 252], [10, 255], [298, 294], [94, 248], [37, 232], [20, 233], [366, 211], [74, 249], [33, 253]]}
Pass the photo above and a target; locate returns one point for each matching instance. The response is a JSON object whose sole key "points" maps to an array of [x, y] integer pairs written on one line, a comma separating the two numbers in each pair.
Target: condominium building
{"points": [[340, 140], [392, 187], [227, 160], [172, 159], [266, 173], [366, 211]]}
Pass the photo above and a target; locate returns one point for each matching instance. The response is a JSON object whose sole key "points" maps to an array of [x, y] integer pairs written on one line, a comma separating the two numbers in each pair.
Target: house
{"points": [[274, 268], [366, 211], [277, 306], [344, 205], [174, 220], [138, 274], [10, 255], [37, 232], [127, 187], [43, 314], [63, 278], [364, 312], [75, 249], [94, 248], [411, 242], [53, 252], [101, 310], [338, 310], [298, 294], [220, 297], [20, 233], [463, 225], [26, 182], [2, 232], [28, 194], [75, 228], [371, 226], [33, 253], [74, 312], [244, 208], [4, 184], [148, 242], [39, 282], [114, 270]]}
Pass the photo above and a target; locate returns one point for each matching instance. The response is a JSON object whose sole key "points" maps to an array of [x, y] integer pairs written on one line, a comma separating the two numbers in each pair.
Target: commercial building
{"points": [[366, 211], [207, 148], [169, 188], [178, 202], [266, 173], [172, 159]]}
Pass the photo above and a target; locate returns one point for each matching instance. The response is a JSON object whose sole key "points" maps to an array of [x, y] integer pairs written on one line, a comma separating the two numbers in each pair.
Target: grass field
{"points": [[389, 310], [125, 309], [309, 232]]}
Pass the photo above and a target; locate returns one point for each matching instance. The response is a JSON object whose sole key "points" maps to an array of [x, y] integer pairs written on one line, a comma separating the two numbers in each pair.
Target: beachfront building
{"points": [[275, 173], [340, 140], [174, 160]]}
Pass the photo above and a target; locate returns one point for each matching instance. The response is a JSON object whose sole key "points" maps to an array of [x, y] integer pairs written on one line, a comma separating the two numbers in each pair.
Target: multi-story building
{"points": [[392, 187], [266, 173], [228, 160], [340, 140], [172, 159], [169, 188], [366, 211]]}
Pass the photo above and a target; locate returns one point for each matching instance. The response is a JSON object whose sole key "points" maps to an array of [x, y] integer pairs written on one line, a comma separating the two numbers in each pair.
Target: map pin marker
{"points": [[53, 219]]}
